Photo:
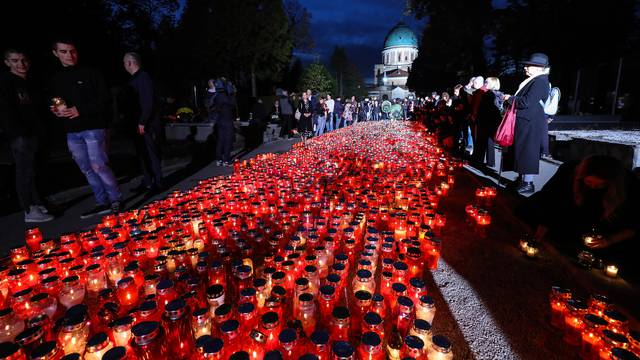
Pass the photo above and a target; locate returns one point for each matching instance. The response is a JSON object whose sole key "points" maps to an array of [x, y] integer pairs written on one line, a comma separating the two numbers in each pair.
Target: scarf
{"points": [[528, 80]]}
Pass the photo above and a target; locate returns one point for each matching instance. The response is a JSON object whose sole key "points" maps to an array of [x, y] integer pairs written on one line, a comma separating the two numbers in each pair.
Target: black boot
{"points": [[526, 188]]}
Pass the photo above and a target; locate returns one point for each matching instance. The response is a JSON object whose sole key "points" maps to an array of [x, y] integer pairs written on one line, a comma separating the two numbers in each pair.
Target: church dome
{"points": [[401, 36]]}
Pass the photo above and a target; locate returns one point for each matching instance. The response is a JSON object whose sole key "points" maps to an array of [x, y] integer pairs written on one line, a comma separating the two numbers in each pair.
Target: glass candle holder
{"points": [[413, 347], [440, 348], [598, 304], [426, 308], [319, 344], [373, 322], [618, 322], [44, 303], [404, 315], [30, 338], [422, 329], [342, 350], [148, 341], [127, 292], [48, 350], [72, 291], [363, 281], [215, 297], [558, 301], [340, 324], [97, 346], [270, 327], [96, 279], [591, 336], [121, 331], [307, 313], [200, 323], [74, 334], [33, 237], [611, 340], [177, 326], [371, 347], [288, 340], [574, 322]]}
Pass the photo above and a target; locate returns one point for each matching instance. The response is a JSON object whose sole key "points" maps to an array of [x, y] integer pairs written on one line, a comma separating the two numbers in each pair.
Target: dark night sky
{"points": [[358, 25]]}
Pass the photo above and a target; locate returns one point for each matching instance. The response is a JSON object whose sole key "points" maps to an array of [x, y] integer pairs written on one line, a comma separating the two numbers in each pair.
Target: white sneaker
{"points": [[42, 209], [35, 215]]}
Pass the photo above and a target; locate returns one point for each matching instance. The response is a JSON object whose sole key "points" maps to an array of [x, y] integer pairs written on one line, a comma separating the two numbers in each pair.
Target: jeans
{"points": [[322, 120], [224, 143], [330, 122], [24, 150], [89, 150], [148, 154]]}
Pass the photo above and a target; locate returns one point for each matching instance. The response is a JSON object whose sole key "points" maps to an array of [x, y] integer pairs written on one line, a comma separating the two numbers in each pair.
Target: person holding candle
{"points": [[597, 190], [86, 98]]}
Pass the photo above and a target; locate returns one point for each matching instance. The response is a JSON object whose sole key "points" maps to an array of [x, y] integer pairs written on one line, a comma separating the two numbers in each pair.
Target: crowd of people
{"points": [[80, 100], [313, 114], [467, 120]]}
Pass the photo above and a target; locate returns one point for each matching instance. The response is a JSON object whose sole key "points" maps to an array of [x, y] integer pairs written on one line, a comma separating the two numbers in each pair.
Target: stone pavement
{"points": [[77, 201]]}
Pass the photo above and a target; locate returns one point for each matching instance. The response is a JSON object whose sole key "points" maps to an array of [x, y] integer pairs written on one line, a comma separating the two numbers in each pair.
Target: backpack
{"points": [[551, 105]]}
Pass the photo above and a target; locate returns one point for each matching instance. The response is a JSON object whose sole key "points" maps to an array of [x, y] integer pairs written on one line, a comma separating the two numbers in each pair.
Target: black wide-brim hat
{"points": [[537, 59]]}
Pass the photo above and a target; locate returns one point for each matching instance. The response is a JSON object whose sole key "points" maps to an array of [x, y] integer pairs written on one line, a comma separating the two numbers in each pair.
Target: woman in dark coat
{"points": [[529, 102], [305, 125]]}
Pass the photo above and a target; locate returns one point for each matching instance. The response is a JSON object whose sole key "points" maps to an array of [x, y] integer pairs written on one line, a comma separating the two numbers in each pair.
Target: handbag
{"points": [[505, 132], [298, 114]]}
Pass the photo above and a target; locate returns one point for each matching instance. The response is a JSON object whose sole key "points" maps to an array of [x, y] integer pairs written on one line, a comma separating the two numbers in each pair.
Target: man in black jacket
{"points": [[141, 114], [81, 102], [22, 123]]}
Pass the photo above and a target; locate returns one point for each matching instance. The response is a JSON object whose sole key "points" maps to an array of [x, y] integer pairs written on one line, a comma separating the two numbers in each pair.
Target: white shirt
{"points": [[330, 103]]}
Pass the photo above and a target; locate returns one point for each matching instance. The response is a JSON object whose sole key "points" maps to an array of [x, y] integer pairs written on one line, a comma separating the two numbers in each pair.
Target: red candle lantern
{"points": [[340, 324], [558, 301], [574, 322], [149, 341], [33, 237], [270, 327], [319, 345], [371, 347], [591, 336], [128, 292], [175, 323]]}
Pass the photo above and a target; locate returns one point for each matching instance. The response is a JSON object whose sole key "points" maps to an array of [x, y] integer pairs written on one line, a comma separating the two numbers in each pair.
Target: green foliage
{"points": [[317, 78]]}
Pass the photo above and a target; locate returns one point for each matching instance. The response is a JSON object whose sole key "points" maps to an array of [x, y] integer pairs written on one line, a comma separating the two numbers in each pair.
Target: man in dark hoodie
{"points": [[20, 102], [81, 101]]}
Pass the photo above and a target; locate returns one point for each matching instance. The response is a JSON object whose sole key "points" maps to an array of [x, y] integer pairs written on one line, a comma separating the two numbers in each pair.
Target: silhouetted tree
{"points": [[452, 43]]}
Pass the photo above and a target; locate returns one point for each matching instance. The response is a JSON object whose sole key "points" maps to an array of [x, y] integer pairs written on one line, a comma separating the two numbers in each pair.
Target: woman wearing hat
{"points": [[530, 119]]}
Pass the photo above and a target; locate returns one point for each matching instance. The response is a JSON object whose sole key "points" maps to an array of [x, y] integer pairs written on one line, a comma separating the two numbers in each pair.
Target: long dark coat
{"points": [[530, 120]]}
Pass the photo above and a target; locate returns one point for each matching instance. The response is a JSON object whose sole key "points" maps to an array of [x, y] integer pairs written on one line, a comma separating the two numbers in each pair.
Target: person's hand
{"points": [[70, 113], [54, 110], [140, 129], [505, 97]]}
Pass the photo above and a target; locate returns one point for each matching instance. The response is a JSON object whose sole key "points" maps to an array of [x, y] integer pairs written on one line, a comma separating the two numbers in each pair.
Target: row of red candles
{"points": [[342, 233], [595, 327]]}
